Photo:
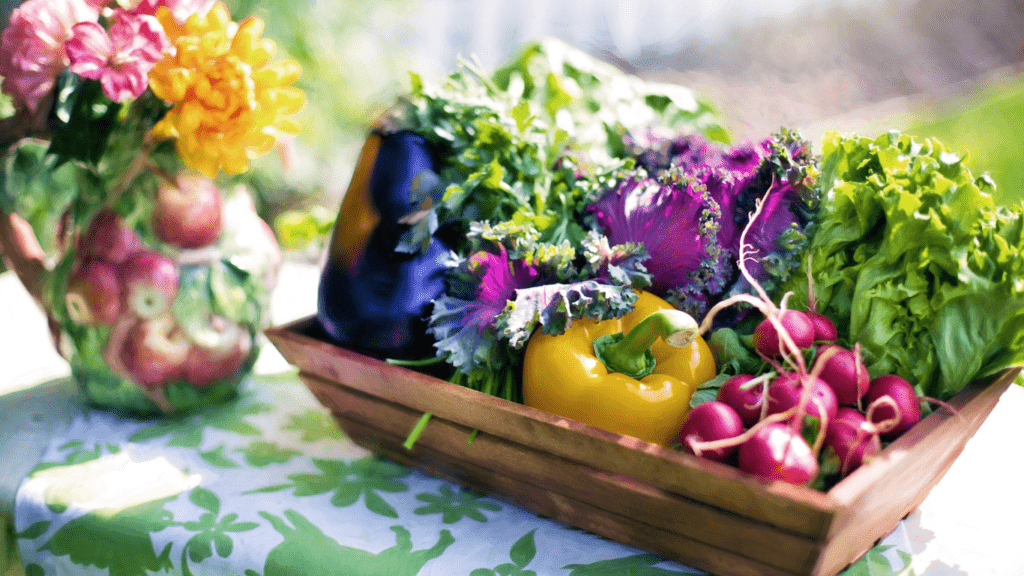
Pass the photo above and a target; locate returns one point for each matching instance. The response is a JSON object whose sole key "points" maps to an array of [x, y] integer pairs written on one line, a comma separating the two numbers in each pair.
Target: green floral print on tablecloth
{"points": [[268, 485]]}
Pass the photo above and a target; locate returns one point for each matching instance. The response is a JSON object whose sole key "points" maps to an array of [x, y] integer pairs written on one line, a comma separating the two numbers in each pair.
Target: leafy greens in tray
{"points": [[564, 186], [913, 259]]}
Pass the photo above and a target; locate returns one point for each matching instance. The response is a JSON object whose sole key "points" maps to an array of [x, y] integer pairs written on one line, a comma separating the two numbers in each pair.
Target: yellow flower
{"points": [[230, 99]]}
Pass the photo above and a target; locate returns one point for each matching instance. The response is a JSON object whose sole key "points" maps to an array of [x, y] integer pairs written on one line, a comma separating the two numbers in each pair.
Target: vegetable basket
{"points": [[704, 514]]}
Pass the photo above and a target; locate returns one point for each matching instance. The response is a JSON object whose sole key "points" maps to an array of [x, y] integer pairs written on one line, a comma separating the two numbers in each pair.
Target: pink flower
{"points": [[32, 52], [121, 61], [180, 9]]}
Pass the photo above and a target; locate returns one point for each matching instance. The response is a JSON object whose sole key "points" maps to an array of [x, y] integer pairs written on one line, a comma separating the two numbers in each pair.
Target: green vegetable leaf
{"points": [[913, 260]]}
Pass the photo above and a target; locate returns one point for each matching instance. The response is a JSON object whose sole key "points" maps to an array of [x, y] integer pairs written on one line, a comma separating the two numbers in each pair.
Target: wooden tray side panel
{"points": [[875, 498], [674, 519], [793, 508], [705, 514]]}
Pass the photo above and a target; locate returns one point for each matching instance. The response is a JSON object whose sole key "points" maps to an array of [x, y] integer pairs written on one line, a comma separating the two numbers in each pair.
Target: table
{"points": [[268, 484]]}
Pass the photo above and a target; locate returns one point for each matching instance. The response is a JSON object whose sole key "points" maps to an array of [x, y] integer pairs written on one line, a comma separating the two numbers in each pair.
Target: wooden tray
{"points": [[704, 514]]}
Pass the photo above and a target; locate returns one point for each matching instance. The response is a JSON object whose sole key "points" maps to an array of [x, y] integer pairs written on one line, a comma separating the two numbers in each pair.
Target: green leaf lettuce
{"points": [[913, 260]]}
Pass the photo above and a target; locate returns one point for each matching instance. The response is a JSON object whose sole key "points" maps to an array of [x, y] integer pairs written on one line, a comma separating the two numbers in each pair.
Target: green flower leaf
{"points": [[223, 544], [35, 530], [263, 453], [205, 499], [217, 458], [523, 550], [240, 526], [637, 565], [270, 489], [86, 541], [377, 505], [454, 506], [200, 547], [315, 425]]}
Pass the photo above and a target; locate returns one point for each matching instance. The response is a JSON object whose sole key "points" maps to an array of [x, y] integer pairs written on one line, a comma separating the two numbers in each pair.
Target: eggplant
{"points": [[372, 297]]}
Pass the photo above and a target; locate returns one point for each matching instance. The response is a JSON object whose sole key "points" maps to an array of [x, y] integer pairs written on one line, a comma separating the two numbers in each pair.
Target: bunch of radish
{"points": [[814, 411]]}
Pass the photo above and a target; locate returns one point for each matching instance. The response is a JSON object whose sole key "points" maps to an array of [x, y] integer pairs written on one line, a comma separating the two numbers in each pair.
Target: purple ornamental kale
{"points": [[513, 285], [677, 222], [691, 215], [657, 151]]}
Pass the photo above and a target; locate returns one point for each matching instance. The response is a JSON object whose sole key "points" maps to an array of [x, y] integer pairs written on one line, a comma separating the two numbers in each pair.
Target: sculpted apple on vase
{"points": [[208, 362], [150, 283], [108, 238], [188, 212], [153, 351], [93, 295]]}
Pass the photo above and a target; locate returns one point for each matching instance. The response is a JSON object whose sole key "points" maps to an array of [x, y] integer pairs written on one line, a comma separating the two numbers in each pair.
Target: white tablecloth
{"points": [[969, 525]]}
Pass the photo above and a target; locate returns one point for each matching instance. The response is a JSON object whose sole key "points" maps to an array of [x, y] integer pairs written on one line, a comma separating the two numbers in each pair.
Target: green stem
{"points": [[429, 361], [631, 353], [417, 430]]}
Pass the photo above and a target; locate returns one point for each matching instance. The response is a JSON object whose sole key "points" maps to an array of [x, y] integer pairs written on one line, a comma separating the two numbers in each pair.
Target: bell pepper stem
{"points": [[631, 354]]}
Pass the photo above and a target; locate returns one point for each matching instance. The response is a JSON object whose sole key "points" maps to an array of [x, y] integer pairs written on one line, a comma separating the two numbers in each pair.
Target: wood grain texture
{"points": [[707, 515], [691, 521], [874, 498], [793, 508]]}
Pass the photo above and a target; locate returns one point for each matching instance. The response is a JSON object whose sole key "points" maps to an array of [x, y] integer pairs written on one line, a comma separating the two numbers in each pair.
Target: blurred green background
{"points": [[939, 68]]}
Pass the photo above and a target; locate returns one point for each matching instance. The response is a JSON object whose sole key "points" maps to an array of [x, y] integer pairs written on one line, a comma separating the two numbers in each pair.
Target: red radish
{"points": [[784, 393], [843, 371], [709, 422], [893, 405], [777, 452], [768, 342], [852, 438], [745, 402], [824, 329]]}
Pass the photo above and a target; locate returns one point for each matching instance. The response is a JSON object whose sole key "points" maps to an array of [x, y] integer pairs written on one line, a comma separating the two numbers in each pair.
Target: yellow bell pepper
{"points": [[637, 384]]}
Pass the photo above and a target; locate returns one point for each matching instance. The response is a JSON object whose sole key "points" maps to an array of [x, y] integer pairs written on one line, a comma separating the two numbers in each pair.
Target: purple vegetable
{"points": [[777, 452], [676, 221], [660, 151], [689, 216]]}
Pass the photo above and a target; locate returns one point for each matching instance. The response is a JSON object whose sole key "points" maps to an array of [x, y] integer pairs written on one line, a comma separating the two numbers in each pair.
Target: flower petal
{"points": [[89, 49]]}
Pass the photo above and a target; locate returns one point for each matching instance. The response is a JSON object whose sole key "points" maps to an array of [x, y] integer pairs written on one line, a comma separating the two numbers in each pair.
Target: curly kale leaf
{"points": [[514, 284]]}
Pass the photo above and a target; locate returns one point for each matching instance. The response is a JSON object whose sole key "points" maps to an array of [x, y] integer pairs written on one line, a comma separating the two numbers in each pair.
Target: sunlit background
{"points": [[943, 68]]}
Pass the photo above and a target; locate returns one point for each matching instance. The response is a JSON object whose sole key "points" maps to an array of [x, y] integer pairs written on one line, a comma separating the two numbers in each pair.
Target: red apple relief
{"points": [[93, 295], [150, 283], [188, 213], [208, 362], [108, 238], [154, 351]]}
